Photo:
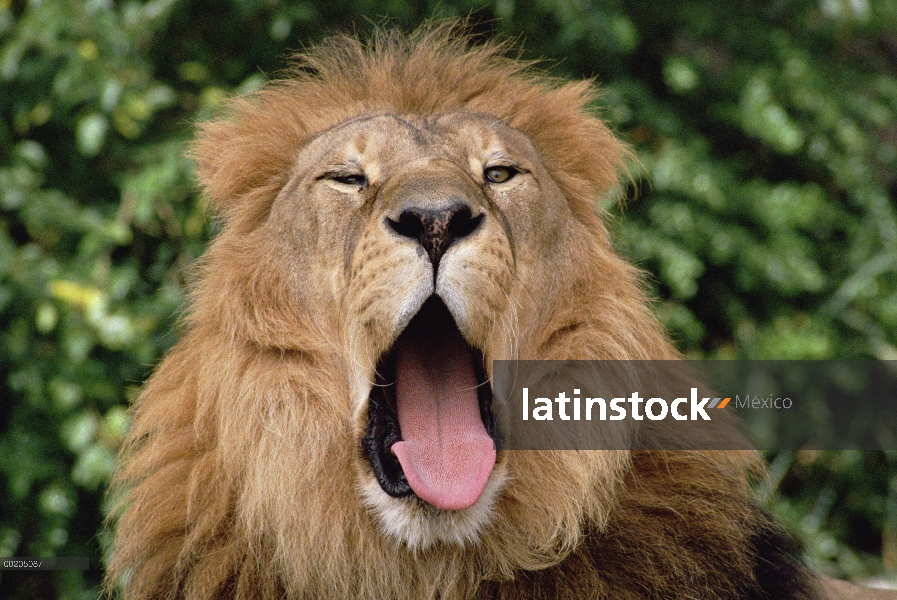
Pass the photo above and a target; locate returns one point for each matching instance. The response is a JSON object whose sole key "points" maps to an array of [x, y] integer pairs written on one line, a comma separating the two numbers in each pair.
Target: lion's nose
{"points": [[436, 229]]}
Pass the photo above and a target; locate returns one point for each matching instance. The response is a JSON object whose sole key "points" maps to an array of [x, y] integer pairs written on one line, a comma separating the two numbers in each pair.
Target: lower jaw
{"points": [[418, 525]]}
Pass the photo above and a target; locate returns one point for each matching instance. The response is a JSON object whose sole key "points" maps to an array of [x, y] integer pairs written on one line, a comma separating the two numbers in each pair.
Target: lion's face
{"points": [[432, 237]]}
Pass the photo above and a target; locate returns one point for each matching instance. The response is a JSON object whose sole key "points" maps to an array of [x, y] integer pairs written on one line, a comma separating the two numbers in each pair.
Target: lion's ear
{"points": [[245, 157]]}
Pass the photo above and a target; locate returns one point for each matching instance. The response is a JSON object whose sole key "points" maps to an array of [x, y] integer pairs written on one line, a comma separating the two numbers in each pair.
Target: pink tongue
{"points": [[445, 451]]}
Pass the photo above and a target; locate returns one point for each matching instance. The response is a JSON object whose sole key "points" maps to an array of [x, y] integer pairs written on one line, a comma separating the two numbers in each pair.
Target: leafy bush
{"points": [[767, 139]]}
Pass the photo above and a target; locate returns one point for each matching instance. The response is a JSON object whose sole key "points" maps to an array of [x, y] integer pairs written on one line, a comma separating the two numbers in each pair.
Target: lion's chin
{"points": [[429, 433], [419, 525]]}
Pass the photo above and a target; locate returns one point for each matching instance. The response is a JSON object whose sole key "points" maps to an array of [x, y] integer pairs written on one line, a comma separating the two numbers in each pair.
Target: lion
{"points": [[396, 215]]}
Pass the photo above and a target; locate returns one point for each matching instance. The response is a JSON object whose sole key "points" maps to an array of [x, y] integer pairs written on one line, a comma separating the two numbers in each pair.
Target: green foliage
{"points": [[767, 138]]}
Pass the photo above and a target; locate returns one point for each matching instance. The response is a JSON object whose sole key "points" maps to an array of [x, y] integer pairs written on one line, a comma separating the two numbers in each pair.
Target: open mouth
{"points": [[430, 422]]}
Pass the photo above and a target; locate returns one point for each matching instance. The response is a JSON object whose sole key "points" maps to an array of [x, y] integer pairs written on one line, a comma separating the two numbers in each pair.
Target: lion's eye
{"points": [[356, 179], [499, 174]]}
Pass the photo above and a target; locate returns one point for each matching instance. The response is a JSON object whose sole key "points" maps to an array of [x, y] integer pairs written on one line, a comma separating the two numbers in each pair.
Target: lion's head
{"points": [[396, 216]]}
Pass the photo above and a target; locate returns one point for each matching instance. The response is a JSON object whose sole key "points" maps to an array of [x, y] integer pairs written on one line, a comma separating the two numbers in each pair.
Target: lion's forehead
{"points": [[375, 142]]}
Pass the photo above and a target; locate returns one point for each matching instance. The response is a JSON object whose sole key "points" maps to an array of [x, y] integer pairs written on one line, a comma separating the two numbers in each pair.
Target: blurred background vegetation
{"points": [[767, 137]]}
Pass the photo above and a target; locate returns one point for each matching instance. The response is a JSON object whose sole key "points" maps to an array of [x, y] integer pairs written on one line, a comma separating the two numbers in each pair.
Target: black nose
{"points": [[436, 229]]}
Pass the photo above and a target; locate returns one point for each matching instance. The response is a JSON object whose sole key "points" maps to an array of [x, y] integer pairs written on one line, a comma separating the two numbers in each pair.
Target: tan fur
{"points": [[242, 475]]}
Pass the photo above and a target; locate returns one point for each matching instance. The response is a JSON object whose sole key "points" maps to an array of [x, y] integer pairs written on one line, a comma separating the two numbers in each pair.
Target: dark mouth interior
{"points": [[433, 321]]}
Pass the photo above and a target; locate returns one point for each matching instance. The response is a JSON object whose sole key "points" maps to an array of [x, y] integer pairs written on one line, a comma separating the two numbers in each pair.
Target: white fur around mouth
{"points": [[418, 525]]}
